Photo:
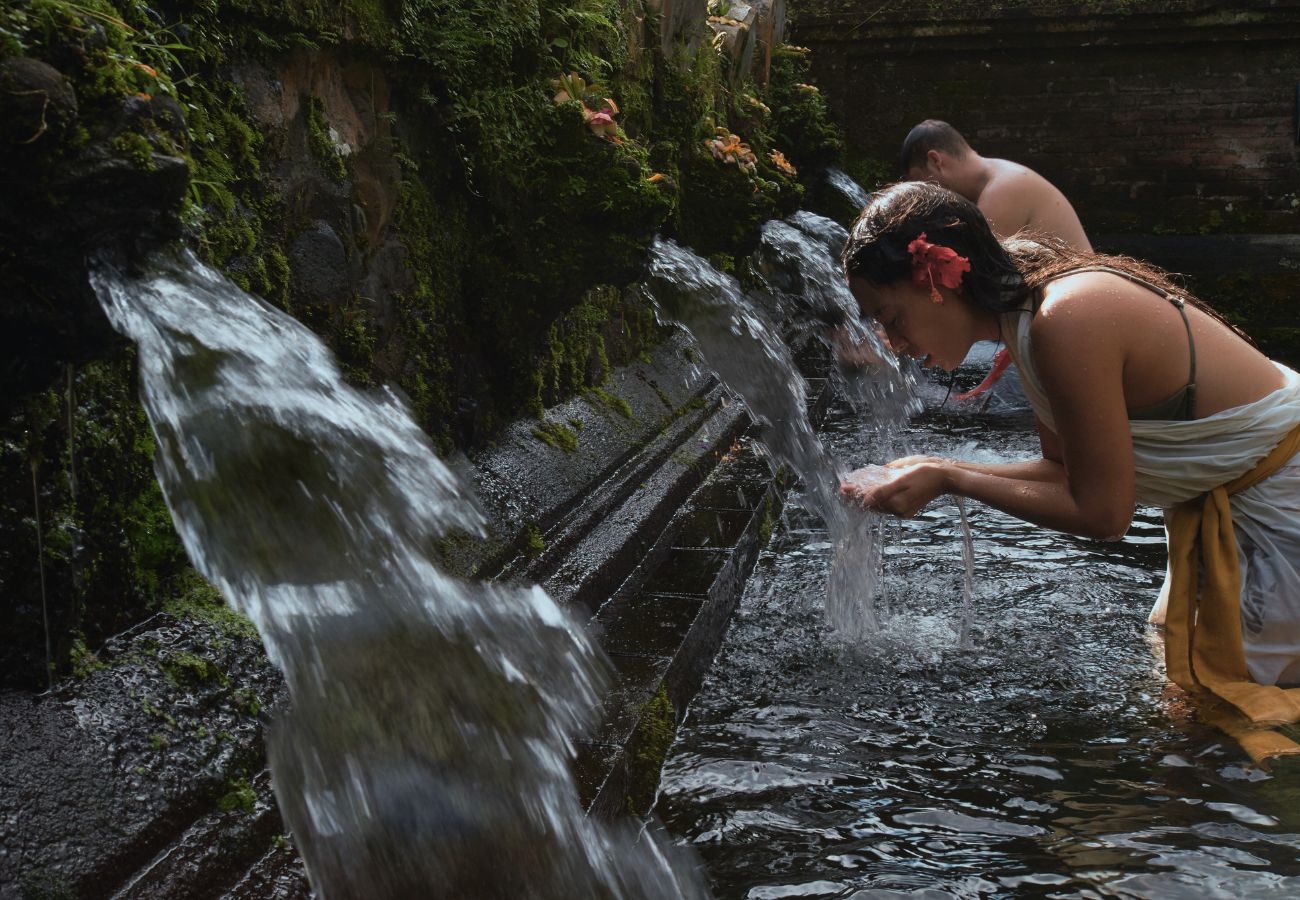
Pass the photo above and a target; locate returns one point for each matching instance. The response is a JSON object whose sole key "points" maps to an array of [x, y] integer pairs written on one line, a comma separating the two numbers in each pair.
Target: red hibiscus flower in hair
{"points": [[936, 263]]}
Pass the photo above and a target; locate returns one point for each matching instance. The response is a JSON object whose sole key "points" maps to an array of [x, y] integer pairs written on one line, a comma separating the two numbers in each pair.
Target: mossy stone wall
{"points": [[404, 176]]}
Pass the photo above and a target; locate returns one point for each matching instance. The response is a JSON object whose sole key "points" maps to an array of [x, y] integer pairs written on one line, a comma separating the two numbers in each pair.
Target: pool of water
{"points": [[1048, 759]]}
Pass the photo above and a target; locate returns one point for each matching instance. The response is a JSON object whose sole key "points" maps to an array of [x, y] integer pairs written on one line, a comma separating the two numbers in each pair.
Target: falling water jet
{"points": [[798, 261], [853, 192], [968, 576], [746, 350], [427, 742]]}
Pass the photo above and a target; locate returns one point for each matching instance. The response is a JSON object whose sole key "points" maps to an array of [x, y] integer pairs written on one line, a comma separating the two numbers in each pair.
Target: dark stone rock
{"points": [[64, 200], [319, 263], [98, 775], [36, 102], [96, 37]]}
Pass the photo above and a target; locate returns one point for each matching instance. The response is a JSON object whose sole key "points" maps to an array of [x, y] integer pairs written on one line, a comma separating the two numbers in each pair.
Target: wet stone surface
{"points": [[712, 528], [635, 680], [688, 571], [1048, 759], [647, 624], [661, 640], [100, 774], [731, 492]]}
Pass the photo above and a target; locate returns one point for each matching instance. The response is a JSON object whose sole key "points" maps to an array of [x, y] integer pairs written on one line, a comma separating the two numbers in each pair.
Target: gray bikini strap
{"points": [[1179, 304]]}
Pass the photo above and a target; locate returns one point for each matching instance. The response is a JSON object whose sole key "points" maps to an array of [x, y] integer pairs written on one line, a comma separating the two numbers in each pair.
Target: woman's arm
{"points": [[1048, 468], [1050, 503], [1080, 358]]}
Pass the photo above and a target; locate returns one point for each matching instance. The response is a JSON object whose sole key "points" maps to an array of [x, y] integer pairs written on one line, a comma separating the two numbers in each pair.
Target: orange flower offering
{"points": [[783, 164], [730, 149]]}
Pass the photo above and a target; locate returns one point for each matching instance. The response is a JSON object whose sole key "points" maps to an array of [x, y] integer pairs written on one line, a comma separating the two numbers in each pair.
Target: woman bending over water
{"points": [[1142, 396]]}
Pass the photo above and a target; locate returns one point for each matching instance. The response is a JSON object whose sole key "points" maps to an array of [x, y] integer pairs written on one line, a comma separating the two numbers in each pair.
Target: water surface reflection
{"points": [[1047, 760]]}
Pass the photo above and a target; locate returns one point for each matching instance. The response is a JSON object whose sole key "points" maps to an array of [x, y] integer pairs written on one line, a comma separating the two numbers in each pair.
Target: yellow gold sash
{"points": [[1204, 653]]}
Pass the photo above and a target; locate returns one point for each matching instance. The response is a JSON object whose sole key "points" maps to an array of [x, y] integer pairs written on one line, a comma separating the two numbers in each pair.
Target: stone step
{"points": [[665, 623], [145, 776]]}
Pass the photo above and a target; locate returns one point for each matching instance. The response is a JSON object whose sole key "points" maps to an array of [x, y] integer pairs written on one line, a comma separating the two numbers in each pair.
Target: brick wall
{"points": [[1152, 116]]}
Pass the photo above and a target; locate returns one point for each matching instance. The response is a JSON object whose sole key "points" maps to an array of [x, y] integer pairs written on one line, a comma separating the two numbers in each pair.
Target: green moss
{"points": [[39, 884], [321, 141], [157, 713], [605, 398], [723, 208], [247, 701], [647, 749], [240, 797], [434, 235], [802, 123], [576, 350], [768, 521], [355, 343], [182, 669], [519, 224], [82, 660], [109, 53], [135, 147], [557, 435], [235, 217], [662, 395], [531, 543], [194, 598], [110, 551]]}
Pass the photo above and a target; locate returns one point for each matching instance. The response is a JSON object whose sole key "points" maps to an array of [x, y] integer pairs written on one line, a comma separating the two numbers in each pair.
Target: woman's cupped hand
{"points": [[904, 487]]}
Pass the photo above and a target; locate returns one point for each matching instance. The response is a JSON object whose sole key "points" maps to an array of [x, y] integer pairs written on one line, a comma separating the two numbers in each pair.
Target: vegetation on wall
{"points": [[523, 160], [86, 542]]}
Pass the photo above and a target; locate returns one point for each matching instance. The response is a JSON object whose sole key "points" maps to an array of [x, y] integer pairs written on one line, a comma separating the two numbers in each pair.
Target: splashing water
{"points": [[798, 261], [746, 350], [852, 191], [427, 743], [968, 576]]}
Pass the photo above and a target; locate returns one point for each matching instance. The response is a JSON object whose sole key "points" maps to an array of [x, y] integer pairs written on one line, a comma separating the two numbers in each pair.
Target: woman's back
{"points": [[1152, 336]]}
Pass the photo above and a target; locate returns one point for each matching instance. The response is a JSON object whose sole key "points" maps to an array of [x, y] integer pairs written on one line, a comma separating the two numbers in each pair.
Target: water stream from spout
{"points": [[800, 282], [744, 346], [426, 746], [853, 192], [968, 577]]}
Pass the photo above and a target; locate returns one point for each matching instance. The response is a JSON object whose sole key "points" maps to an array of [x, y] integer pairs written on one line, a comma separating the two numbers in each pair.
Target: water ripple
{"points": [[1050, 759]]}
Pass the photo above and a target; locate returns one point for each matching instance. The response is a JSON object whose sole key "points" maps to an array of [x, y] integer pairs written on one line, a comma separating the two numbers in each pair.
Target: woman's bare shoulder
{"points": [[1085, 297], [1087, 316]]}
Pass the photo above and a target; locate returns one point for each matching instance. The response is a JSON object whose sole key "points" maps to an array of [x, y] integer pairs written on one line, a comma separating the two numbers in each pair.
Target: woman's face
{"points": [[934, 334]]}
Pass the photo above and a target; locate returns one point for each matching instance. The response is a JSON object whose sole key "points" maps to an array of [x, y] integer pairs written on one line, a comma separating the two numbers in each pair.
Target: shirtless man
{"points": [[1010, 195]]}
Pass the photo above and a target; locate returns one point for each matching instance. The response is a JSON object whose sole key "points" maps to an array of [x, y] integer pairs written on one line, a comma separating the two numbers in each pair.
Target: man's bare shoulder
{"points": [[1022, 198], [1007, 175]]}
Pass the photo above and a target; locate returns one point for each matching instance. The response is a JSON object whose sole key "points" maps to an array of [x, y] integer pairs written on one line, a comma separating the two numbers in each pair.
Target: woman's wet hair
{"points": [[1003, 274], [897, 215]]}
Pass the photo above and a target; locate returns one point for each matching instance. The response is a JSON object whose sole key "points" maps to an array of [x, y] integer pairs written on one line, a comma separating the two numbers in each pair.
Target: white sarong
{"points": [[1176, 461]]}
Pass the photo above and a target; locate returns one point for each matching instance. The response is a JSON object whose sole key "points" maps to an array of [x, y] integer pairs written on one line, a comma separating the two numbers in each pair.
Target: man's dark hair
{"points": [[931, 135]]}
